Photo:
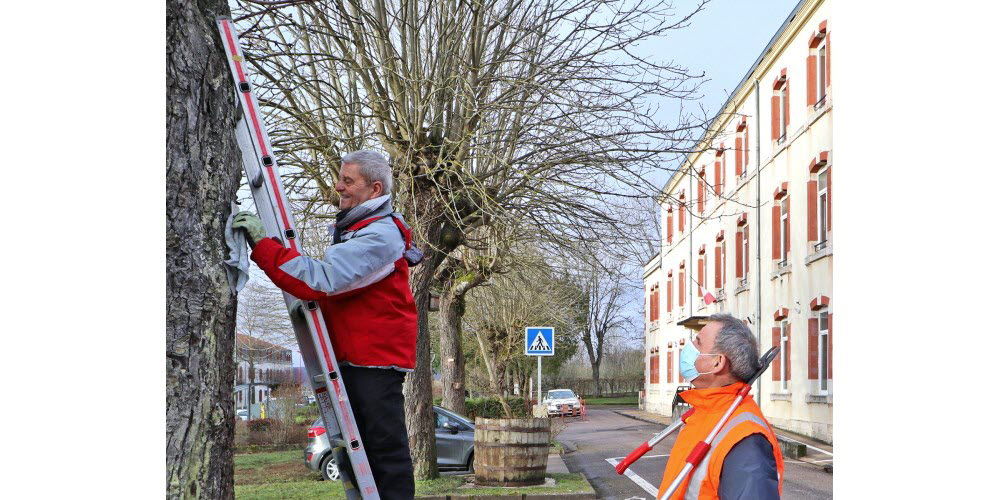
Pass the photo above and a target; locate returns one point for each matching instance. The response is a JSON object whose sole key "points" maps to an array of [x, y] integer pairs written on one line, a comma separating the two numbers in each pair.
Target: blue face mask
{"points": [[689, 353]]}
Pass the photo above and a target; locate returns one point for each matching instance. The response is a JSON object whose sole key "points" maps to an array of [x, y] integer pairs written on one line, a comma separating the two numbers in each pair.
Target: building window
{"points": [[818, 67], [681, 210], [670, 225], [720, 263], [824, 205], [780, 108], [785, 356], [720, 170], [701, 272], [670, 292], [681, 286], [670, 366], [824, 351], [746, 253], [701, 190], [746, 150], [780, 229]]}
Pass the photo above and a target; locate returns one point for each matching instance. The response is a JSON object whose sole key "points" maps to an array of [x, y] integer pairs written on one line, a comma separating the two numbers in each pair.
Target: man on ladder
{"points": [[362, 287]]}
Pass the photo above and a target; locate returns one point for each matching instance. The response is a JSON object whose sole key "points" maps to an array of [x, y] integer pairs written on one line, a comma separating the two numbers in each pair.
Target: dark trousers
{"points": [[377, 399]]}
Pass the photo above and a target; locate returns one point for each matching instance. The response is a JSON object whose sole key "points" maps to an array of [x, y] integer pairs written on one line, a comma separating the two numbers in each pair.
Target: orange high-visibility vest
{"points": [[709, 406]]}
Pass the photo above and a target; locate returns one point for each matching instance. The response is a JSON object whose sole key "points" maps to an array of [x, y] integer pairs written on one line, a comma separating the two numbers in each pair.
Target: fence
{"points": [[605, 386]]}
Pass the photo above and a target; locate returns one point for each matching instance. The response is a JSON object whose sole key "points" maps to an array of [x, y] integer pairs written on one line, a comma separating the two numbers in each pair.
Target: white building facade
{"points": [[748, 218]]}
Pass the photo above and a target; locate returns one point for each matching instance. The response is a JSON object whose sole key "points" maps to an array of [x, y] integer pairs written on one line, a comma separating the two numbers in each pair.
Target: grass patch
{"points": [[623, 400], [276, 467], [282, 474]]}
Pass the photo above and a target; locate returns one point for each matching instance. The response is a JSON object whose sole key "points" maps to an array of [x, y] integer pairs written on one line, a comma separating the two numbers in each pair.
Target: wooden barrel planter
{"points": [[511, 452]]}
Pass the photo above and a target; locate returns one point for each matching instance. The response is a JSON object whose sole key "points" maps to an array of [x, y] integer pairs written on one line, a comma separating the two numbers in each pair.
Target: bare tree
{"points": [[265, 332], [530, 112], [201, 181], [606, 299]]}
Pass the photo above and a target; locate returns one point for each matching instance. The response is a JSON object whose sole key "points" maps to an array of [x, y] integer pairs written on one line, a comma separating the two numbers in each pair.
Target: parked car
{"points": [[454, 435], [243, 414], [562, 402]]}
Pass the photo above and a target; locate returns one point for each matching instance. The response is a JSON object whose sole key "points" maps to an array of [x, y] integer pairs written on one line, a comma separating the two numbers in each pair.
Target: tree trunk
{"points": [[201, 180], [417, 389], [595, 370], [452, 357]]}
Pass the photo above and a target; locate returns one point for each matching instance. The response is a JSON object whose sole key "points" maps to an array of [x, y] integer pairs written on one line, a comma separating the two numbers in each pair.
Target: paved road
{"points": [[608, 435]]}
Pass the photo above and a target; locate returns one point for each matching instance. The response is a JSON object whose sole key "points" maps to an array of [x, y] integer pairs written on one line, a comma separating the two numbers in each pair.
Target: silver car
{"points": [[454, 435]]}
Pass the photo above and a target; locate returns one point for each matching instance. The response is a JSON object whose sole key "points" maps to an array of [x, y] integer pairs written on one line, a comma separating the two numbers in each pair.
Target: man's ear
{"points": [[721, 362], [377, 189]]}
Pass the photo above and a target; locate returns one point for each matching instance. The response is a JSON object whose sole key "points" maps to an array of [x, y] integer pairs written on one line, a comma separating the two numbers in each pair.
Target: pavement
{"points": [[596, 443]]}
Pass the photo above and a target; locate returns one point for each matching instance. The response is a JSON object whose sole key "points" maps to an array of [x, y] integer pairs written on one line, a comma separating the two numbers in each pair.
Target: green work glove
{"points": [[250, 223]]}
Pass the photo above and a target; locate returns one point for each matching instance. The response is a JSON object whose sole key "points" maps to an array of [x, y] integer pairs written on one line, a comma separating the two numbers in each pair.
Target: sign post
{"points": [[539, 341]]}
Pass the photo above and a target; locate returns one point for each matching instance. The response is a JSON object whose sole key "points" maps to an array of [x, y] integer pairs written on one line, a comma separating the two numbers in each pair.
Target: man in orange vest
{"points": [[744, 461]]}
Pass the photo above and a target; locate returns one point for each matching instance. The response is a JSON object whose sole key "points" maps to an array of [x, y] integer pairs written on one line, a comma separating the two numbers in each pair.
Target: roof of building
{"points": [[246, 341]]}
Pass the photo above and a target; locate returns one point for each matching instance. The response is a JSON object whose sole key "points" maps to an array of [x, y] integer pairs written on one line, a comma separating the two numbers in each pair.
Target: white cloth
{"points": [[238, 263]]}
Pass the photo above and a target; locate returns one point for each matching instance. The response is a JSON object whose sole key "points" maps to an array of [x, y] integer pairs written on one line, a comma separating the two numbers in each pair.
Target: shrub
{"points": [[262, 424], [490, 407]]}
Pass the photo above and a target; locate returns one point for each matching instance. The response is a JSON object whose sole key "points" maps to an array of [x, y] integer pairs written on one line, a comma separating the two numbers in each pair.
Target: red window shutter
{"points": [[670, 228], [828, 58], [776, 232], [739, 156], [739, 254], [680, 215], [701, 195], [775, 114], [651, 305], [718, 178], [811, 193], [670, 367], [718, 267], [788, 98], [776, 342], [811, 80], [829, 345], [813, 342], [829, 198], [788, 353]]}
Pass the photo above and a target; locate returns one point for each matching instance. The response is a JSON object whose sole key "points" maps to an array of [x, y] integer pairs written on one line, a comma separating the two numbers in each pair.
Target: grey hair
{"points": [[373, 166], [738, 344]]}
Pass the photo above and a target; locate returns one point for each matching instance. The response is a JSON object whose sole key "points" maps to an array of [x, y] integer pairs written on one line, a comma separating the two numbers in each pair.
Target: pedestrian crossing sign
{"points": [[539, 341]]}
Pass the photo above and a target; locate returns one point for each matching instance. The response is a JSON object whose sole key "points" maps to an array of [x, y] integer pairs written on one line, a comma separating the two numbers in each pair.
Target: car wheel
{"points": [[472, 463], [329, 468]]}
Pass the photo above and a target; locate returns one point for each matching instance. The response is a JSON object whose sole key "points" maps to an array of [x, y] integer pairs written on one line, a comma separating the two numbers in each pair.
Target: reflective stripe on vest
{"points": [[701, 472]]}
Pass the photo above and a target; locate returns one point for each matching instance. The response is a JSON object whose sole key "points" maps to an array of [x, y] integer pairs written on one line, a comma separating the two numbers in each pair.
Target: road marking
{"points": [[644, 456], [806, 445], [634, 477]]}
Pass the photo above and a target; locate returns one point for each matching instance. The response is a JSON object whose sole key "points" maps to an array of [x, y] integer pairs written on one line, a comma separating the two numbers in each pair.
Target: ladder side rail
{"points": [[269, 197]]}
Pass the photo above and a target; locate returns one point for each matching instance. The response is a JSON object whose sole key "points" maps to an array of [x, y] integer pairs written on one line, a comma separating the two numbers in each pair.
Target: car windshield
{"points": [[453, 416], [566, 394], [318, 422]]}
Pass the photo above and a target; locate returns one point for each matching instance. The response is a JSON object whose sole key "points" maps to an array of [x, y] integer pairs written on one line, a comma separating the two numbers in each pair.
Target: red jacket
{"points": [[374, 325]]}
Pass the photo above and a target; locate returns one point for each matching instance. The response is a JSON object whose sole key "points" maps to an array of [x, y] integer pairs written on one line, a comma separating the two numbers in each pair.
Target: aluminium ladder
{"points": [[307, 319]]}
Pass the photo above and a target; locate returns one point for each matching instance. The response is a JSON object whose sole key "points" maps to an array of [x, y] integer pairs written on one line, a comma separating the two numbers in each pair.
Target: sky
{"points": [[723, 40]]}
